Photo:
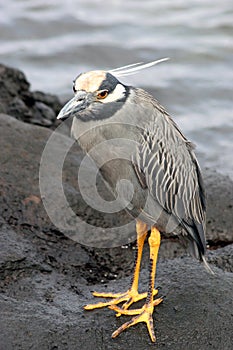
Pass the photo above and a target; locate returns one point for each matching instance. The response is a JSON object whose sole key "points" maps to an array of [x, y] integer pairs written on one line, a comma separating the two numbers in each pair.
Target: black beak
{"points": [[75, 105]]}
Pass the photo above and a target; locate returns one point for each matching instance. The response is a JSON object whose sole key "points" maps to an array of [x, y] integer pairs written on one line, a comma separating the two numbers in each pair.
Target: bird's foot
{"points": [[129, 297], [124, 311], [143, 314]]}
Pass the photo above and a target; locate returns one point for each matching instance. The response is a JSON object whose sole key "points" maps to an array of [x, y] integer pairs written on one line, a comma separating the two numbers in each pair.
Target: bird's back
{"points": [[166, 165]]}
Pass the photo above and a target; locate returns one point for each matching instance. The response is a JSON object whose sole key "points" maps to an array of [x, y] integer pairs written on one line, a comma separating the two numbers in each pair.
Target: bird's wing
{"points": [[166, 164]]}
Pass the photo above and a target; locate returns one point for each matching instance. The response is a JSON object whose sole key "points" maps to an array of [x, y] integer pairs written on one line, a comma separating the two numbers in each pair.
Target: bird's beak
{"points": [[75, 105]]}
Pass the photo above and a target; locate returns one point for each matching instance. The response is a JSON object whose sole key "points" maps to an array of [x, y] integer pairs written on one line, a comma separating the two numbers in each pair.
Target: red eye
{"points": [[102, 94]]}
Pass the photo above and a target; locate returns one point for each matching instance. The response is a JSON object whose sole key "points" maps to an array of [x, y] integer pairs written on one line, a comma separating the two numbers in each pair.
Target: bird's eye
{"points": [[102, 94]]}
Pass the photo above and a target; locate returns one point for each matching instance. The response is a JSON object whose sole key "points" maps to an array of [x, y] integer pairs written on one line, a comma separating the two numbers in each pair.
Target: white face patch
{"points": [[116, 94]]}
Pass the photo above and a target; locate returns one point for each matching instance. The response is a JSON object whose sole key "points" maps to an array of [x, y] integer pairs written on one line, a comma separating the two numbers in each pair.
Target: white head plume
{"points": [[134, 68]]}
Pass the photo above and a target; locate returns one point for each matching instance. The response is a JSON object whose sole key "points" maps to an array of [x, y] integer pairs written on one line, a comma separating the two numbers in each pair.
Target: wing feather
{"points": [[171, 172]]}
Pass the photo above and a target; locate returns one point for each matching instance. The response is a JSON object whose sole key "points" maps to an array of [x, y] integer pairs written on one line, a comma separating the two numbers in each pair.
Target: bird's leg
{"points": [[131, 295], [145, 313]]}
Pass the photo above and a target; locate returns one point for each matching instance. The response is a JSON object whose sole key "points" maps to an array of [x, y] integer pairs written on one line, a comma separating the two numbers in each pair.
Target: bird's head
{"points": [[99, 94]]}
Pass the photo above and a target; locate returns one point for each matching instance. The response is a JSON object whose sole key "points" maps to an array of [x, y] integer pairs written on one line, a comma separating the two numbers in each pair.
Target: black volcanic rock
{"points": [[17, 100]]}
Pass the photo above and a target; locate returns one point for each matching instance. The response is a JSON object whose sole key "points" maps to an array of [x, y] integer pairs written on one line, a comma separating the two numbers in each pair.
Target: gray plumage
{"points": [[170, 171], [159, 160]]}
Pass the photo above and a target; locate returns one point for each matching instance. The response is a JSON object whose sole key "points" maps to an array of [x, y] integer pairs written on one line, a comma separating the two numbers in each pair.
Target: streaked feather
{"points": [[172, 174]]}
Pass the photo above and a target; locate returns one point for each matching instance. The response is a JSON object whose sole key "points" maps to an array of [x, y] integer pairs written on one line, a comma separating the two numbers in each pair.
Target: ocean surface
{"points": [[53, 41]]}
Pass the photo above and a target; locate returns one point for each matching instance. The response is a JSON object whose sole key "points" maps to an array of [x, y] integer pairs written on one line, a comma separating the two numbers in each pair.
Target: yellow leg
{"points": [[131, 295], [145, 313]]}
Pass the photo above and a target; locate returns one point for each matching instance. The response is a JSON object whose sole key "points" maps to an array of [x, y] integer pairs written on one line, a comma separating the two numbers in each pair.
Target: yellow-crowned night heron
{"points": [[168, 192]]}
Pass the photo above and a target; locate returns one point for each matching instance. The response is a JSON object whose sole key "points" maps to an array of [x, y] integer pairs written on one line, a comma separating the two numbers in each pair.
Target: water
{"points": [[53, 41]]}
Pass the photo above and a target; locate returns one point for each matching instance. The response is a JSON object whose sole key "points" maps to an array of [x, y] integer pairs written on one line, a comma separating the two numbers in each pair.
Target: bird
{"points": [[168, 190]]}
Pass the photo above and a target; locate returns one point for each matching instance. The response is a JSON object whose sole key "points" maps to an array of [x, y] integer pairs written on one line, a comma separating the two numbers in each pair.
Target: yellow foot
{"points": [[130, 297], [143, 315], [123, 311]]}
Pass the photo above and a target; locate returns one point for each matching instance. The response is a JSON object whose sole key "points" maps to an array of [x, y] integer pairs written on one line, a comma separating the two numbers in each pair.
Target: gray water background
{"points": [[54, 41]]}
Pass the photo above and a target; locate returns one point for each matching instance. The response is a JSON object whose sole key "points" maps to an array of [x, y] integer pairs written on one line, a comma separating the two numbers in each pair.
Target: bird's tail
{"points": [[206, 265], [194, 250], [197, 244]]}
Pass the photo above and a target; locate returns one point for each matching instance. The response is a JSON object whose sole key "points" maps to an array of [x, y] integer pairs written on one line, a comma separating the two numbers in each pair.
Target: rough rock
{"points": [[222, 257], [17, 100], [42, 305], [219, 191]]}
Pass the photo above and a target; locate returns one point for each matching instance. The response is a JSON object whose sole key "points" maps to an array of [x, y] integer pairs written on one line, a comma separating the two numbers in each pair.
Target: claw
{"points": [[143, 315], [107, 295], [132, 312], [130, 297]]}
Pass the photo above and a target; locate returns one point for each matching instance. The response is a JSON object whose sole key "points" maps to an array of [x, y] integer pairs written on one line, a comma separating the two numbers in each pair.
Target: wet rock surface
{"points": [[46, 277]]}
